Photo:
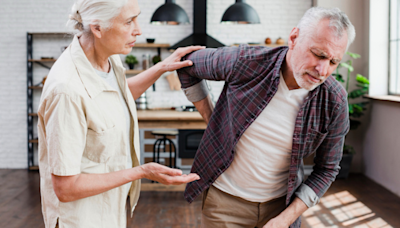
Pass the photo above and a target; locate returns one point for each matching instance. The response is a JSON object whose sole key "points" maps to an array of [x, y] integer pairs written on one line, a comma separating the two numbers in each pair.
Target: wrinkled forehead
{"points": [[325, 38], [131, 9]]}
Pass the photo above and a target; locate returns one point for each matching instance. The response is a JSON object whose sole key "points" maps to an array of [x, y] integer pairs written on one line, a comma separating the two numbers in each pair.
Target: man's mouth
{"points": [[313, 79]]}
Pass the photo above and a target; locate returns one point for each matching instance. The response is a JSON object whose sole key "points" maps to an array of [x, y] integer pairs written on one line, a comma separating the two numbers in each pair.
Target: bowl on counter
{"points": [[150, 40]]}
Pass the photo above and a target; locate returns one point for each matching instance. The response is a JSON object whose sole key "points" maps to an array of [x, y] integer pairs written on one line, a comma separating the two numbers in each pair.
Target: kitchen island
{"points": [[170, 119]]}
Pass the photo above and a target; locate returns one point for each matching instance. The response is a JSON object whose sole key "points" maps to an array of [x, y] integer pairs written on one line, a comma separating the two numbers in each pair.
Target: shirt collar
{"points": [[93, 83]]}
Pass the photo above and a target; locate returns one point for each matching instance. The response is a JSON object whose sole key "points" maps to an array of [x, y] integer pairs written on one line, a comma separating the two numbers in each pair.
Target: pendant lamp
{"points": [[241, 13], [170, 13]]}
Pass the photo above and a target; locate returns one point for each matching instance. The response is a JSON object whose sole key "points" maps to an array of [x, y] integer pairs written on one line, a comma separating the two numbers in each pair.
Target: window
{"points": [[394, 48]]}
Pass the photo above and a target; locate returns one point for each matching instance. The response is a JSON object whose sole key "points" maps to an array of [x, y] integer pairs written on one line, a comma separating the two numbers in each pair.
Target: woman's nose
{"points": [[137, 31]]}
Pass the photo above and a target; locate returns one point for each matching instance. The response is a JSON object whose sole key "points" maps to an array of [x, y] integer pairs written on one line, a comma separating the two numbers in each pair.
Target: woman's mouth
{"points": [[132, 44]]}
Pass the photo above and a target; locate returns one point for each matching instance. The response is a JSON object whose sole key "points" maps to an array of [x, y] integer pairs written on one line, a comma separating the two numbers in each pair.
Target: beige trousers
{"points": [[222, 210]]}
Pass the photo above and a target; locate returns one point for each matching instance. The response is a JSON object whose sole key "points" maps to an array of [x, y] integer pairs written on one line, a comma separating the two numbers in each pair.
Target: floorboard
{"points": [[356, 202]]}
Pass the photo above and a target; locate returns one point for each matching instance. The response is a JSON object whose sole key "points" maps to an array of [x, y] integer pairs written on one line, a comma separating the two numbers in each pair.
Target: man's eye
{"points": [[318, 55]]}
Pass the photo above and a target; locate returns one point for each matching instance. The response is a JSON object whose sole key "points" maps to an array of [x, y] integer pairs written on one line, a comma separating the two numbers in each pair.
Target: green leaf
{"points": [[364, 86], [348, 149], [348, 66], [353, 55], [358, 108], [357, 93], [338, 77], [361, 79]]}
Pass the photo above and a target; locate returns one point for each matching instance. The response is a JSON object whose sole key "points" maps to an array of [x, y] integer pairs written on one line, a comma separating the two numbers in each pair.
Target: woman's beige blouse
{"points": [[80, 128]]}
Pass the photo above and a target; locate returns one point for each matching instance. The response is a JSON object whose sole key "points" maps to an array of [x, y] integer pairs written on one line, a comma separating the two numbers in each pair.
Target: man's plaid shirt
{"points": [[251, 76]]}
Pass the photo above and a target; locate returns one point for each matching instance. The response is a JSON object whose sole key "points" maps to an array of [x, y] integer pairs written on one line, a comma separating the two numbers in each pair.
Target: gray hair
{"points": [[93, 12], [339, 22]]}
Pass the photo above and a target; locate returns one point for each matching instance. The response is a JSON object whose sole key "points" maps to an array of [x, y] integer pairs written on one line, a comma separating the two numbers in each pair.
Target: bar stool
{"points": [[163, 142]]}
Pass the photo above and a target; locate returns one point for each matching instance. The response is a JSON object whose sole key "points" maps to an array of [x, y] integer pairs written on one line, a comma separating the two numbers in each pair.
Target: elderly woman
{"points": [[88, 129]]}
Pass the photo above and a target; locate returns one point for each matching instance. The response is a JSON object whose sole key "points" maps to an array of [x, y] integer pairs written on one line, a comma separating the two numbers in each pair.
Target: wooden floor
{"points": [[356, 202]]}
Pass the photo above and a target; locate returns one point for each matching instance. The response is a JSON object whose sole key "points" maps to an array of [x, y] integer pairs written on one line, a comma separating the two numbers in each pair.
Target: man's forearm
{"points": [[205, 107], [295, 209]]}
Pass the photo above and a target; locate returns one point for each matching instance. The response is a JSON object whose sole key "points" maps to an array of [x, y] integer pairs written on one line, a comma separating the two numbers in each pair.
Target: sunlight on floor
{"points": [[343, 211]]}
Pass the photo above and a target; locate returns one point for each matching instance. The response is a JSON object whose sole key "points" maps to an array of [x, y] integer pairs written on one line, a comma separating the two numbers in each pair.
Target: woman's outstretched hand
{"points": [[166, 175], [173, 62]]}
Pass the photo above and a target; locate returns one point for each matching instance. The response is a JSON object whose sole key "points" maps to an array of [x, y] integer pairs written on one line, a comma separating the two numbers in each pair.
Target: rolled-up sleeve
{"points": [[307, 195], [66, 128], [327, 159]]}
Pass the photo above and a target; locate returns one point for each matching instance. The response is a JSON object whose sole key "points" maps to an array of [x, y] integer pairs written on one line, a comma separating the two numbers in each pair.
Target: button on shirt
{"points": [[82, 129]]}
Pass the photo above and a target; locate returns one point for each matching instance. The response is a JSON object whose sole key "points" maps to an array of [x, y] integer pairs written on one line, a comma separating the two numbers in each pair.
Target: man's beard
{"points": [[303, 81]]}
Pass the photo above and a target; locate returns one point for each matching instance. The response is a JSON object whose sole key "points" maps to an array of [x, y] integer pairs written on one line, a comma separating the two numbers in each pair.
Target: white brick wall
{"points": [[20, 16]]}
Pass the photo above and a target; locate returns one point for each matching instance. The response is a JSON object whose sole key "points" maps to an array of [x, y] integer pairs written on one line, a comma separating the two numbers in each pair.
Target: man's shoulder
{"points": [[334, 88], [261, 52]]}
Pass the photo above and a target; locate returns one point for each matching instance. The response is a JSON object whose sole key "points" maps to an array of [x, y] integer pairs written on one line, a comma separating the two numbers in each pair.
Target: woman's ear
{"points": [[293, 37], [96, 30]]}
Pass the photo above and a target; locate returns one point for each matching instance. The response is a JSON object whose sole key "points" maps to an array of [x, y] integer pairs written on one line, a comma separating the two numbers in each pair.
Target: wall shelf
{"points": [[34, 168], [30, 87], [50, 33], [42, 60], [153, 45], [34, 141], [35, 87], [128, 72]]}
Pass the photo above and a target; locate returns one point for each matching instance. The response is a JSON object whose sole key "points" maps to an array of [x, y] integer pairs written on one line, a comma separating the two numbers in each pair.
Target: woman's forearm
{"points": [[140, 83], [71, 188]]}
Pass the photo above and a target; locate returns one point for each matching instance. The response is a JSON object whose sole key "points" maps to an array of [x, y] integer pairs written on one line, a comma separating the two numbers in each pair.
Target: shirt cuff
{"points": [[307, 195], [196, 92]]}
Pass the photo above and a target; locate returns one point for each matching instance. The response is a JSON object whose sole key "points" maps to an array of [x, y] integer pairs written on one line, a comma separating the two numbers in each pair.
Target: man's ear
{"points": [[293, 37], [96, 30]]}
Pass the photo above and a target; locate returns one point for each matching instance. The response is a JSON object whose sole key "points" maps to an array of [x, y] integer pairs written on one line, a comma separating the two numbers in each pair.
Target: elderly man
{"points": [[278, 106]]}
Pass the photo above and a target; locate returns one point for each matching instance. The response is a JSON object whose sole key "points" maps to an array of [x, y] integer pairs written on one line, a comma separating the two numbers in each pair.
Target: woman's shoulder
{"points": [[63, 78]]}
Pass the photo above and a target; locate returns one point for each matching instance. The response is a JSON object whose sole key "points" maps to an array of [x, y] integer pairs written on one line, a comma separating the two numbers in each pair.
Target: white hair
{"points": [[93, 12], [339, 22]]}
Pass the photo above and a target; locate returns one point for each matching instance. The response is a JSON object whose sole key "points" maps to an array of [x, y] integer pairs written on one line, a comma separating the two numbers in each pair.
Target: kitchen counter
{"points": [[170, 119]]}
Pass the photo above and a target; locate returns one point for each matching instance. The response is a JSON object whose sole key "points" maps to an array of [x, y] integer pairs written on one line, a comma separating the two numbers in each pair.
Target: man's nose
{"points": [[322, 67]]}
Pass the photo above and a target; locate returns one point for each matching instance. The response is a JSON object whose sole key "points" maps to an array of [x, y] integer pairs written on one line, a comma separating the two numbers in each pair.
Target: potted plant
{"points": [[131, 61], [156, 59], [356, 108]]}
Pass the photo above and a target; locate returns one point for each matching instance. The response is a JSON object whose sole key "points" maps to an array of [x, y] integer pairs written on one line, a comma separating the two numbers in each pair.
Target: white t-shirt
{"points": [[111, 80], [260, 169]]}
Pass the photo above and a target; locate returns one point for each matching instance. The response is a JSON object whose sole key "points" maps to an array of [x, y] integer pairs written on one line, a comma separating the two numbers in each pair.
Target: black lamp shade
{"points": [[241, 12], [170, 13]]}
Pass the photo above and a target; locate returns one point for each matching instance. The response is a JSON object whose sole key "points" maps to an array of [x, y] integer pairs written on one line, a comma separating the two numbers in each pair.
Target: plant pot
{"points": [[345, 165], [131, 66]]}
